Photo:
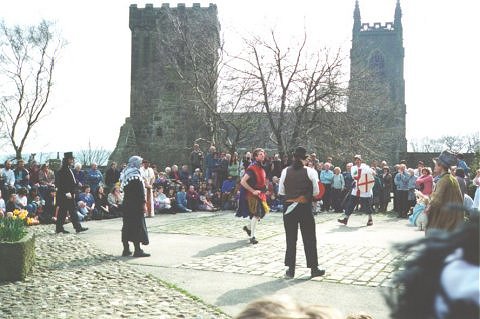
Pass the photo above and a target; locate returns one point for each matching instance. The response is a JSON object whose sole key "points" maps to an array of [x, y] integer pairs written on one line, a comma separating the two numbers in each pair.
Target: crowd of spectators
{"points": [[211, 182]]}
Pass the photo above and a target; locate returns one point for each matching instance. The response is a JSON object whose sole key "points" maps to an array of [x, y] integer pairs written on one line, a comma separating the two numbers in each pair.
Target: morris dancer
{"points": [[253, 201], [361, 193], [299, 184]]}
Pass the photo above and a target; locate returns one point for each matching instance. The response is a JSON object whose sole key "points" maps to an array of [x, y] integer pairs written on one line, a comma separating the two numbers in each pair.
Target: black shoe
{"points": [[370, 222], [245, 228], [62, 231], [140, 253], [317, 272], [126, 253], [253, 241], [343, 221], [290, 273], [81, 229]]}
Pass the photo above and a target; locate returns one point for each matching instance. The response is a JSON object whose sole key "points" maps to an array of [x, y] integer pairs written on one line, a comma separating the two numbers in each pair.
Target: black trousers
{"points": [[62, 214], [403, 205], [337, 197], [302, 215], [327, 197]]}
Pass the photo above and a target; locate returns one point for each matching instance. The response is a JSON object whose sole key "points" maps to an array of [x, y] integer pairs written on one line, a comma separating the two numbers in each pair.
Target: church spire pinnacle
{"points": [[357, 20], [398, 16]]}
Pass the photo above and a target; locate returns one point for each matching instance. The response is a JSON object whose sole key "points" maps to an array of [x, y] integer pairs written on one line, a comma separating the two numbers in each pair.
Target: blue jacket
{"points": [[326, 177], [228, 185], [182, 198], [401, 181]]}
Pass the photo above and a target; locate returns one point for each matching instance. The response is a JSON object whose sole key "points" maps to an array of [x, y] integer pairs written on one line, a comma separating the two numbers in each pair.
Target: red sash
{"points": [[260, 179]]}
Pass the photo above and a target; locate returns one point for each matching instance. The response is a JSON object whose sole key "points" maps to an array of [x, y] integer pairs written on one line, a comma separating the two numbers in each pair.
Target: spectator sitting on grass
{"points": [[22, 200], [46, 217], [101, 203]]}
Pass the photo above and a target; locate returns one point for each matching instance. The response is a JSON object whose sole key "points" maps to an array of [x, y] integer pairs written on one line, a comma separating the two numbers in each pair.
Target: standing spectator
{"points": [[222, 168], [347, 177], [8, 179], [94, 177], [192, 199], [79, 175], [196, 158], [234, 167], [447, 192], [148, 179], [326, 178], [247, 160], [134, 228], [210, 162], [476, 182], [401, 181], [462, 164], [412, 179], [22, 176], [182, 200], [425, 182], [387, 182], [314, 159], [460, 175], [276, 166], [185, 176], [112, 176], [419, 169], [338, 186]]}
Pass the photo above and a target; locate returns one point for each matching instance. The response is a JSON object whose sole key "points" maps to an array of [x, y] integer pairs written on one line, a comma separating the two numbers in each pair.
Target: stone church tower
{"points": [[162, 126], [377, 86]]}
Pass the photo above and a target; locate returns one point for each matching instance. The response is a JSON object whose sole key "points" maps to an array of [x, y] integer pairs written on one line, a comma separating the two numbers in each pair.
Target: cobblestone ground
{"points": [[227, 225], [345, 263], [72, 279]]}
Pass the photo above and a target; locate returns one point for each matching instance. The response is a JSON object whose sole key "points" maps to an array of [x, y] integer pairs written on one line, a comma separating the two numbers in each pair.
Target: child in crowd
{"points": [[418, 217], [182, 200], [12, 203]]}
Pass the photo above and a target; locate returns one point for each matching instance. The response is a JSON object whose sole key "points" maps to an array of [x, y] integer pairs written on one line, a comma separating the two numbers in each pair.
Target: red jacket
{"points": [[427, 182]]}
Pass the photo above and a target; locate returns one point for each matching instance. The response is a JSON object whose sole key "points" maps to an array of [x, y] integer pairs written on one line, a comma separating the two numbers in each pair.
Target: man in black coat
{"points": [[66, 189]]}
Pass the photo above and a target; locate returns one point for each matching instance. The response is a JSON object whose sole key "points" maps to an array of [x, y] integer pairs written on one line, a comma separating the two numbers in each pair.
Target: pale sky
{"points": [[91, 95]]}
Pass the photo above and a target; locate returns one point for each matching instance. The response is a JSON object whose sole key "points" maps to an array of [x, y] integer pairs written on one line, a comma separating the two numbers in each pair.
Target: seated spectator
{"points": [[162, 180], [21, 199], [161, 201], [182, 200], [115, 202], [86, 197], [101, 203], [185, 176], [192, 199], [94, 177], [46, 179], [34, 171], [175, 174], [82, 211], [35, 202], [11, 204], [2, 204], [79, 175], [22, 177], [7, 178], [205, 204], [46, 217], [172, 196], [228, 188]]}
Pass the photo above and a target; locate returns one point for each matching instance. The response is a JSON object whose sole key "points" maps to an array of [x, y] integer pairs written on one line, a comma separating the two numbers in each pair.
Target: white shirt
{"points": [[8, 177], [148, 175], [312, 175], [365, 170], [2, 205]]}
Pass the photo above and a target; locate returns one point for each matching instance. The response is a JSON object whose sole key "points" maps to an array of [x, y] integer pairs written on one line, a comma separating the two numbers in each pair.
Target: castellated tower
{"points": [[164, 122], [377, 86]]}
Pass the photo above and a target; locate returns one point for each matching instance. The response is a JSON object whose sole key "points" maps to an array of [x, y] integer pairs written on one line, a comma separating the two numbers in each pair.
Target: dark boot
{"points": [[317, 272], [139, 252], [126, 249], [290, 273]]}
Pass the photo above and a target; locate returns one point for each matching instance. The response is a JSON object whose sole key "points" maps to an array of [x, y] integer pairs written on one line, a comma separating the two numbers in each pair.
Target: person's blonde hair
{"points": [[284, 307]]}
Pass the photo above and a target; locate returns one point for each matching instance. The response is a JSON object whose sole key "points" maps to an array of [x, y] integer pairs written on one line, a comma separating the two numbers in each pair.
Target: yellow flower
{"points": [[14, 217], [16, 212]]}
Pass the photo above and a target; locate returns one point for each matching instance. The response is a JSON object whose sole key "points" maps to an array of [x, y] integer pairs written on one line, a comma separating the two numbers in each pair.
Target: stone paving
{"points": [[345, 263], [73, 279]]}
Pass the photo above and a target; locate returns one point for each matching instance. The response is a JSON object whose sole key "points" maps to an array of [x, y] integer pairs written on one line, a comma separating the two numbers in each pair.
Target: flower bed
{"points": [[17, 246]]}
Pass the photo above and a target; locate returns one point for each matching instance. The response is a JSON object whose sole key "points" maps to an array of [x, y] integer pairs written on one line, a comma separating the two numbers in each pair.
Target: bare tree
{"points": [[296, 90]]}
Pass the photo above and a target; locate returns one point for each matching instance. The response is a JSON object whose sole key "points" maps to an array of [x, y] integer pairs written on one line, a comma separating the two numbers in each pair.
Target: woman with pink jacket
{"points": [[425, 182]]}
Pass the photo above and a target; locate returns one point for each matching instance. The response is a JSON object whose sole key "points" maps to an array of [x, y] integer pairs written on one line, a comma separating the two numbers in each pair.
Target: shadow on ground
{"points": [[222, 248], [236, 296]]}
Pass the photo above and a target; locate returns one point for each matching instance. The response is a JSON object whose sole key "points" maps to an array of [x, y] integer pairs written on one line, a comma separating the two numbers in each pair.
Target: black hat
{"points": [[68, 155], [300, 153], [446, 158]]}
